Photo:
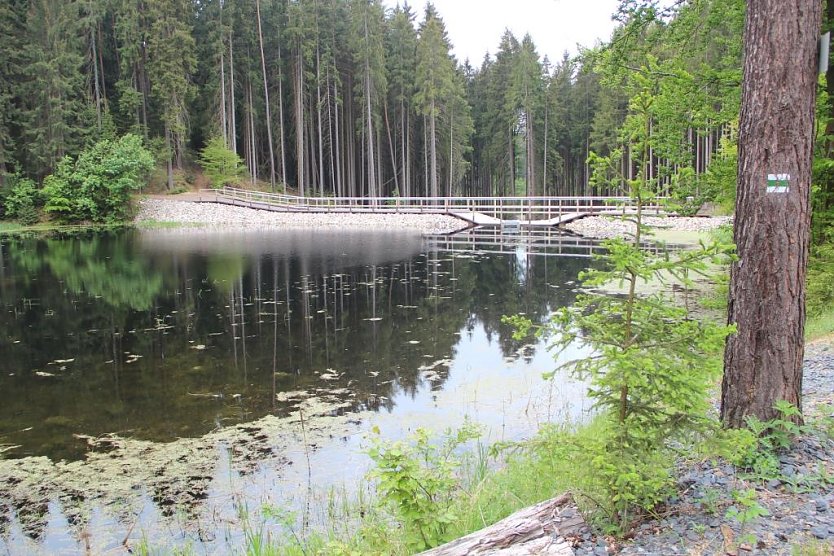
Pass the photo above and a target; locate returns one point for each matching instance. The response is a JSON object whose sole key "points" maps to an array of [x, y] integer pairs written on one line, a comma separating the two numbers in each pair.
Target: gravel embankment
{"points": [[601, 227], [215, 214], [799, 502]]}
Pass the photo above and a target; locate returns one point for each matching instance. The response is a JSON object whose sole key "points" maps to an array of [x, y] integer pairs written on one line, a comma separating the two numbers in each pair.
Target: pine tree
{"points": [[435, 84], [525, 98], [401, 62], [171, 63], [9, 81], [367, 20]]}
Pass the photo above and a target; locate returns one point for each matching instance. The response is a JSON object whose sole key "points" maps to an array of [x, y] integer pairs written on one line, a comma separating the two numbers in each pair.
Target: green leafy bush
{"points": [[97, 185], [221, 165], [417, 481], [21, 200]]}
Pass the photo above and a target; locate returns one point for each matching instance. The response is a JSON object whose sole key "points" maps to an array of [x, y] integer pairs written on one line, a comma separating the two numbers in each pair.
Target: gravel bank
{"points": [[215, 214], [601, 227], [799, 502]]}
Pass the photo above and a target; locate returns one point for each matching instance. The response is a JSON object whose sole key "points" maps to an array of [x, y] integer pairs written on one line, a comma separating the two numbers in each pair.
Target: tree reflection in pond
{"points": [[173, 333]]}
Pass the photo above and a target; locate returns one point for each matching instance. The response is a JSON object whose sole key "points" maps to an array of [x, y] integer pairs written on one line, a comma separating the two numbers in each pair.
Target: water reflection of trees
{"points": [[170, 342]]}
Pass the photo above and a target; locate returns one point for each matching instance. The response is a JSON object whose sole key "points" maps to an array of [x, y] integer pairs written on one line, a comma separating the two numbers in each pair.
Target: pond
{"points": [[151, 380]]}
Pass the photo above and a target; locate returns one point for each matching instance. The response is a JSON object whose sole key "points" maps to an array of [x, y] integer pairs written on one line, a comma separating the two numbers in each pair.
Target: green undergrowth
{"points": [[428, 493], [820, 325], [428, 490]]}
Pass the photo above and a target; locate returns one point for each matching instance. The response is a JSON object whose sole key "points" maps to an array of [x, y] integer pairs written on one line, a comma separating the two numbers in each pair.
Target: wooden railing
{"points": [[505, 208], [545, 242]]}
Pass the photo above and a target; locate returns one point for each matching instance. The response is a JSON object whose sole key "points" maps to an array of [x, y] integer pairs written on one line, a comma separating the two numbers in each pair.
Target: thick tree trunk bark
{"points": [[763, 360]]}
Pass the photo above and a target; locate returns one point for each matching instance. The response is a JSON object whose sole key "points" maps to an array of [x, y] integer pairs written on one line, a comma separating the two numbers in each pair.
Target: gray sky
{"points": [[476, 26]]}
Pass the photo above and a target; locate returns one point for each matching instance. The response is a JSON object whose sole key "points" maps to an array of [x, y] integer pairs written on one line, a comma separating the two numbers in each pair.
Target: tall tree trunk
{"points": [[391, 151], [299, 120], [330, 124], [233, 118], [763, 359], [433, 151], [451, 150], [143, 81], [340, 155], [224, 123], [170, 162], [281, 121], [373, 190], [95, 59], [829, 85], [403, 150], [426, 190], [544, 157], [318, 121], [253, 154], [266, 100]]}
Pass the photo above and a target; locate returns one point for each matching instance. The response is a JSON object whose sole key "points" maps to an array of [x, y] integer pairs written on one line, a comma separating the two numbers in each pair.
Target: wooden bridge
{"points": [[542, 242], [479, 211]]}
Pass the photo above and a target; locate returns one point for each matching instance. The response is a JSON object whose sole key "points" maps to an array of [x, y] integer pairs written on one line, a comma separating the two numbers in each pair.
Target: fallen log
{"points": [[550, 528]]}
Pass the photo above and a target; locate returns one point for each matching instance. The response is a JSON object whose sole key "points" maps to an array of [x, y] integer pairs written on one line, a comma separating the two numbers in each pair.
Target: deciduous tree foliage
{"points": [[96, 186]]}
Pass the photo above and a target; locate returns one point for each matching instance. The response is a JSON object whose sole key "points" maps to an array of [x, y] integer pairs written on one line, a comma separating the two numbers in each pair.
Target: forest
{"points": [[347, 98]]}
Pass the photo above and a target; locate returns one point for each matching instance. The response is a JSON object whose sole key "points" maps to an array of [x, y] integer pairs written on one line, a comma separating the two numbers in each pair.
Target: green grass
{"points": [[161, 224], [820, 325], [10, 227], [490, 490]]}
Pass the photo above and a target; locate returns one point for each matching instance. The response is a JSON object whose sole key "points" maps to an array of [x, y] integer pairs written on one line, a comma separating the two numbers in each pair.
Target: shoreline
{"points": [[155, 211], [603, 227]]}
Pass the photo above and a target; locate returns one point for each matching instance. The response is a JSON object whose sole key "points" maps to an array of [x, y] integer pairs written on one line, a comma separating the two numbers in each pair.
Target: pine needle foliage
{"points": [[652, 364]]}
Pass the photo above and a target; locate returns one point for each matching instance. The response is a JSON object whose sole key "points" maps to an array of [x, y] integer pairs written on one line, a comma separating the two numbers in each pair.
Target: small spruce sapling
{"points": [[652, 364]]}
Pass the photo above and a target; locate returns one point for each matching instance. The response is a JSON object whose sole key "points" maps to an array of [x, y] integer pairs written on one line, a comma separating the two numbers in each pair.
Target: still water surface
{"points": [[161, 335]]}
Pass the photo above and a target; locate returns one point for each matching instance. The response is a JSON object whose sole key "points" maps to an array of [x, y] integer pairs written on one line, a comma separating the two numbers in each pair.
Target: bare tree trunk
{"points": [[170, 162], [391, 151], [372, 182], [763, 360], [330, 124], [266, 100], [318, 120], [281, 122], [299, 121], [433, 147], [451, 149], [340, 155], [544, 157], [224, 124], [253, 154], [95, 59], [232, 121]]}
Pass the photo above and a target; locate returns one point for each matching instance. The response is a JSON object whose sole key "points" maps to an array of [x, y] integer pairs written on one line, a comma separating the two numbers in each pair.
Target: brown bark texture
{"points": [[763, 359]]}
